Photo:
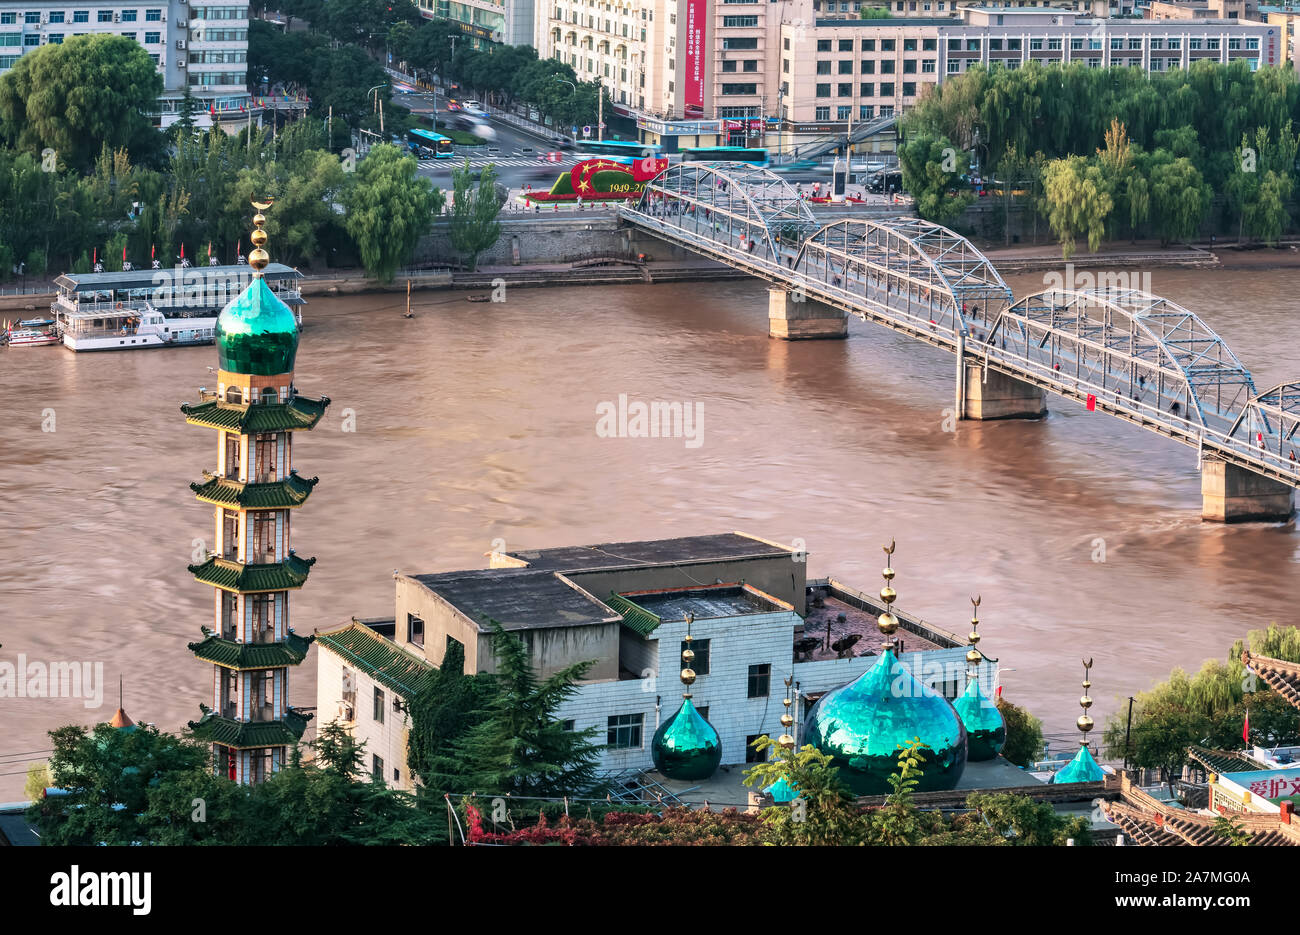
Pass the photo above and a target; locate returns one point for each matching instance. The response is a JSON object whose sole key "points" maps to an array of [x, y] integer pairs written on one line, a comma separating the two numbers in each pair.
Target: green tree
{"points": [[932, 173], [80, 95], [389, 207], [1023, 821], [474, 225], [1225, 827], [1024, 734], [1077, 201], [38, 780], [823, 814], [1179, 197], [520, 747], [899, 822], [447, 704]]}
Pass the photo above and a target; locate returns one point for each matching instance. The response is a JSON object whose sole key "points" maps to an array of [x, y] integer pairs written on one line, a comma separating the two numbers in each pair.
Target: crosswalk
{"points": [[478, 162]]}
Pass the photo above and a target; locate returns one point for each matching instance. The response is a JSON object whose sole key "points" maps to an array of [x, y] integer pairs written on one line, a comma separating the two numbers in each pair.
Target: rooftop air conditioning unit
{"points": [[180, 43], [347, 712], [181, 64], [117, 17], [181, 23]]}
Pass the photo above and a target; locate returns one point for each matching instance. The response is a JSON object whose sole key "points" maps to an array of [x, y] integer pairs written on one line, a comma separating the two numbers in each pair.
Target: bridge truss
{"points": [[1132, 354]]}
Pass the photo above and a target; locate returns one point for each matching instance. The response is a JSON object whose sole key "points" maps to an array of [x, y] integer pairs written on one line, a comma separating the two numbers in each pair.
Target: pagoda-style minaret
{"points": [[686, 746], [254, 491], [986, 731], [1083, 768]]}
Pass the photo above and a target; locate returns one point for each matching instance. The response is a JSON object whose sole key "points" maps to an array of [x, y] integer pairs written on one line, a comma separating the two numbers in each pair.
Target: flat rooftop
{"points": [[728, 600], [721, 546], [517, 598], [838, 621]]}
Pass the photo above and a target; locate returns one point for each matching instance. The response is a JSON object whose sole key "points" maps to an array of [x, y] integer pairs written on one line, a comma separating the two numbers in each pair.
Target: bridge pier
{"points": [[794, 317], [1001, 397], [1232, 494]]}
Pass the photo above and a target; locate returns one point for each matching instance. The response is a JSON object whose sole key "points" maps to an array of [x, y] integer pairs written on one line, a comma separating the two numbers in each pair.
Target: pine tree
{"points": [[520, 748], [447, 705]]}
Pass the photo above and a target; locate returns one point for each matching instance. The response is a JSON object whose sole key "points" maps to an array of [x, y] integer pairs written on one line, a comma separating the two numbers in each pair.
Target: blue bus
{"points": [[441, 145], [627, 150], [755, 156]]}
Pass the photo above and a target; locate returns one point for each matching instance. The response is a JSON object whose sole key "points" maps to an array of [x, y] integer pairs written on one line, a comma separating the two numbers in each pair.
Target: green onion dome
{"points": [[686, 746], [986, 732], [864, 724], [257, 333]]}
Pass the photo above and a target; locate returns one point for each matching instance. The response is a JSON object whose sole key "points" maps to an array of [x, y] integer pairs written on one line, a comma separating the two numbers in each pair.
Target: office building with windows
{"points": [[199, 44], [755, 619], [485, 21]]}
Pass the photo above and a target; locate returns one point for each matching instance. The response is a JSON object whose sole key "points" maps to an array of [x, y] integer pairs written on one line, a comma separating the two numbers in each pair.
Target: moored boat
{"points": [[30, 337]]}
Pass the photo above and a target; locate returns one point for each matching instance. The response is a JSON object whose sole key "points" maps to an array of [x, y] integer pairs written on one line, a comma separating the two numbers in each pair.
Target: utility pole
{"points": [[1127, 730], [329, 123], [600, 110]]}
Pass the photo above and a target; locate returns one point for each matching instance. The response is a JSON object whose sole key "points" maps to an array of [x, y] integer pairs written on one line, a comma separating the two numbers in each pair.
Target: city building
{"points": [[255, 411], [754, 617], [485, 21], [201, 45]]}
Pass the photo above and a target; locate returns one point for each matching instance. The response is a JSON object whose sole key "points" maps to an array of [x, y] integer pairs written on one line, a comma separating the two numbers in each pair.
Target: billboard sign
{"points": [[693, 80]]}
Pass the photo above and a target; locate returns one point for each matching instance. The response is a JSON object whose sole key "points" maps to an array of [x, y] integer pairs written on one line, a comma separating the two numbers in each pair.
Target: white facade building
{"points": [[199, 44], [623, 605]]}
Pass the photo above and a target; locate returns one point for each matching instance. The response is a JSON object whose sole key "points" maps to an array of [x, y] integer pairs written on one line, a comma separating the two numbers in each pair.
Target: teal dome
{"points": [[986, 732], [686, 746], [863, 724], [782, 791], [257, 333], [1083, 768]]}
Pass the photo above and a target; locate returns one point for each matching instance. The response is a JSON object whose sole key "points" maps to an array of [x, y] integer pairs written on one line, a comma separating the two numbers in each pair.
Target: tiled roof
{"points": [[282, 494], [236, 576], [243, 735], [1152, 822], [301, 412], [1223, 761], [635, 617], [381, 659], [234, 655], [1278, 674]]}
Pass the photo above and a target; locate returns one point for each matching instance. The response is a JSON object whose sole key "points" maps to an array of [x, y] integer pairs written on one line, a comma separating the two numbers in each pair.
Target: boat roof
{"points": [[146, 278]]}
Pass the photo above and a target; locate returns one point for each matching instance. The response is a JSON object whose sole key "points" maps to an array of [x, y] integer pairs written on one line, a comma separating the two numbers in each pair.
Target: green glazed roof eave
{"points": [[635, 617], [301, 412], [232, 655], [243, 735], [381, 659], [288, 493], [237, 576]]}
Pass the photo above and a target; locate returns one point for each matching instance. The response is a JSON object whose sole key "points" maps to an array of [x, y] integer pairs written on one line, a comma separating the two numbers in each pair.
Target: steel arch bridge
{"points": [[1127, 353]]}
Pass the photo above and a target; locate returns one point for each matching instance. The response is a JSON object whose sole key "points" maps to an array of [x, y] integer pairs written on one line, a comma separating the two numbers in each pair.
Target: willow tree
{"points": [[1077, 201], [474, 224], [389, 208]]}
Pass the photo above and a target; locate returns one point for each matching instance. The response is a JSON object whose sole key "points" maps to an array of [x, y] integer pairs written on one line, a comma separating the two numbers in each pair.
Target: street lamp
{"points": [[569, 83], [378, 105]]}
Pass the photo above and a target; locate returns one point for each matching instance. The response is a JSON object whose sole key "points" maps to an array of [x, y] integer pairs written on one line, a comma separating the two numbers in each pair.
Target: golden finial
{"points": [[887, 623], [259, 258], [688, 656], [787, 721], [973, 655], [1085, 721]]}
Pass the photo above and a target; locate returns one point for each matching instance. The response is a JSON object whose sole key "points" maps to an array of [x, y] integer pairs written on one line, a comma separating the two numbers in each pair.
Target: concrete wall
{"points": [[388, 739], [777, 575], [542, 239]]}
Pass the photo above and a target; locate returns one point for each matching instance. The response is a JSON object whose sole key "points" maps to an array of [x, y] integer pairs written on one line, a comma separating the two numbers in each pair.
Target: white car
{"points": [[483, 130], [473, 107]]}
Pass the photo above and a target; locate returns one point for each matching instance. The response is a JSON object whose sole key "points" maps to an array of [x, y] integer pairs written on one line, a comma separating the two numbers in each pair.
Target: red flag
{"points": [[1092, 403], [95, 258], [153, 252], [123, 253], [998, 693], [182, 251], [209, 249], [1245, 730]]}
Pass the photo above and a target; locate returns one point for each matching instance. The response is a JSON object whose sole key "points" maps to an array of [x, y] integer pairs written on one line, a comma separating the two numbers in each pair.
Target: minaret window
{"points": [[265, 451], [228, 616], [263, 538], [234, 395], [230, 694], [263, 618], [268, 395], [230, 535], [232, 455]]}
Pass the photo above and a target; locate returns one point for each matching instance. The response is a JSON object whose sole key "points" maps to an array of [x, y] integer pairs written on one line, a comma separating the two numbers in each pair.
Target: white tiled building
{"points": [[757, 620], [200, 44]]}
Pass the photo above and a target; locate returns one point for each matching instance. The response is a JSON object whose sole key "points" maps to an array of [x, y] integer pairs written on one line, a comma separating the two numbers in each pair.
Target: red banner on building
{"points": [[693, 98]]}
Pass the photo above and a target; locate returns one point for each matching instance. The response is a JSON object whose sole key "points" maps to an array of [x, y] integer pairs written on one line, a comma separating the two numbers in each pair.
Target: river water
{"points": [[477, 422]]}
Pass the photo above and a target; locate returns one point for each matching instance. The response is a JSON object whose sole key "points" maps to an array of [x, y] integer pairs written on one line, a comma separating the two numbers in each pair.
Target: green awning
{"points": [[244, 735], [236, 576], [381, 659], [635, 617], [301, 412], [232, 655], [282, 494]]}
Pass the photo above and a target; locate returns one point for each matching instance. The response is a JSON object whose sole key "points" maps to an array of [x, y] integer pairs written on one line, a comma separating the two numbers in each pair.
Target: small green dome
{"points": [[686, 746], [986, 732], [863, 725], [1083, 768], [257, 333]]}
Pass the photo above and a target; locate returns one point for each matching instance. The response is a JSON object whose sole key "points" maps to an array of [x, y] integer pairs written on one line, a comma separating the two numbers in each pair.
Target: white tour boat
{"points": [[30, 337]]}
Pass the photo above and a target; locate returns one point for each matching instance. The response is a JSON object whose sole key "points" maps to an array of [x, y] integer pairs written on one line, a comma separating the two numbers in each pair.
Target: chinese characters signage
{"points": [[693, 102]]}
